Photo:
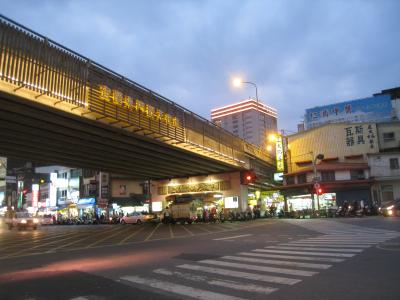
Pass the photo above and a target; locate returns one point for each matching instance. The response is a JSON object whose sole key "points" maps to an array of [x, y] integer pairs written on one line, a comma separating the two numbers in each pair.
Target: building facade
{"points": [[221, 190], [250, 120], [343, 174], [385, 165]]}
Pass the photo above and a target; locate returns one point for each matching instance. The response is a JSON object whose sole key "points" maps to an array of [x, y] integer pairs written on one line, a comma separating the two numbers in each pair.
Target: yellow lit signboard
{"points": [[119, 99], [279, 154]]}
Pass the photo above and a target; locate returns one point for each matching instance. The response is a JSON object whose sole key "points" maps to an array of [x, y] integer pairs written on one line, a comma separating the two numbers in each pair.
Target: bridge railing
{"points": [[32, 61]]}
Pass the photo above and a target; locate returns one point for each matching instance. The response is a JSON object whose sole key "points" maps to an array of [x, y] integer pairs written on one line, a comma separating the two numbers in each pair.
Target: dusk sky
{"points": [[300, 53]]}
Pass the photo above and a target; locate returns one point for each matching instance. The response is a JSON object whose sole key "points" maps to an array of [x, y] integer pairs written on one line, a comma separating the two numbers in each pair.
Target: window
{"points": [[63, 175], [290, 180], [357, 174], [328, 176], [388, 136], [76, 173], [394, 163], [302, 178]]}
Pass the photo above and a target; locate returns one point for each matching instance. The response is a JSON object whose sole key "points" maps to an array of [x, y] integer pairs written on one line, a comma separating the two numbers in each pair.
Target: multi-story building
{"points": [[343, 173], [251, 120], [385, 165], [381, 107]]}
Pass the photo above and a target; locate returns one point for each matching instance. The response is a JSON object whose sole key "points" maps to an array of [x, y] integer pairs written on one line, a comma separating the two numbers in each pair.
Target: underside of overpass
{"points": [[37, 132], [58, 107]]}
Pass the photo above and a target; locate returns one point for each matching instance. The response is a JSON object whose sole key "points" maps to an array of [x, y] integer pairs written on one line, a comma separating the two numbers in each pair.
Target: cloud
{"points": [[298, 52]]}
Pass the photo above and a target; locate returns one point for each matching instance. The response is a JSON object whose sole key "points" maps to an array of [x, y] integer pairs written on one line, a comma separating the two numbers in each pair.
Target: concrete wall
{"points": [[332, 140], [132, 187]]}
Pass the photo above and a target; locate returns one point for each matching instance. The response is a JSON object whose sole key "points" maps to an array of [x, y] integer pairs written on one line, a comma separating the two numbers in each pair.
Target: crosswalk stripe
{"points": [[306, 258], [324, 244], [278, 262], [305, 253], [179, 289], [239, 274], [309, 248], [249, 287], [350, 240], [338, 242], [258, 268]]}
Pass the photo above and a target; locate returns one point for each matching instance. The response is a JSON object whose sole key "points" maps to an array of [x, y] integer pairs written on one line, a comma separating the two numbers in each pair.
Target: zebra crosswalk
{"points": [[262, 271]]}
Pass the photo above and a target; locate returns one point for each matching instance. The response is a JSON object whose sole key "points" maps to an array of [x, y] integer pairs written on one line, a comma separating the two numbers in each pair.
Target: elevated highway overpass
{"points": [[59, 107]]}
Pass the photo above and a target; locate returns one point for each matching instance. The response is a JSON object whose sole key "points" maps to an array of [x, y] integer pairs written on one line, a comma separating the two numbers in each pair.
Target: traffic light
{"points": [[319, 191], [247, 177]]}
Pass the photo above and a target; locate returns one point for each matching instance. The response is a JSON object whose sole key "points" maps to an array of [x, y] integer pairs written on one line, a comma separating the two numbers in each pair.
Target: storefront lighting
{"points": [[217, 196]]}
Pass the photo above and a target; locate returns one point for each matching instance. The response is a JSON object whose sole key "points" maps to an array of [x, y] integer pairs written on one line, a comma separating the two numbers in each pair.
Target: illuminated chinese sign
{"points": [[280, 167], [193, 188], [373, 109], [364, 134], [134, 105], [35, 195]]}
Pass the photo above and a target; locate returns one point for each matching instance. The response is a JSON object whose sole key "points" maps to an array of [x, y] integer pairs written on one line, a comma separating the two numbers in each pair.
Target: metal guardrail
{"points": [[35, 62]]}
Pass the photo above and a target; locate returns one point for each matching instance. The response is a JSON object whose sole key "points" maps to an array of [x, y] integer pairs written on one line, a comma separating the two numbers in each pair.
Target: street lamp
{"points": [[238, 82]]}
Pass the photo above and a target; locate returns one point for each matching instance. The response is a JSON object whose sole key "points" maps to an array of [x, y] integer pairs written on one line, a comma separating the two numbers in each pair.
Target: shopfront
{"points": [[126, 205], [86, 207], [218, 191]]}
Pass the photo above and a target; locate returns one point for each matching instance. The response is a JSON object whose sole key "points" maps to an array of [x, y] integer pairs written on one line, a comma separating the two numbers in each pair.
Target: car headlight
{"points": [[23, 221], [35, 221]]}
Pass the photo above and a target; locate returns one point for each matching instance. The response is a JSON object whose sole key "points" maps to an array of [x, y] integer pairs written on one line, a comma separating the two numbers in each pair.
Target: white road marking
{"points": [[278, 262], [224, 283], [232, 237], [238, 274], [179, 289], [305, 253], [324, 244], [294, 247], [258, 268], [307, 258]]}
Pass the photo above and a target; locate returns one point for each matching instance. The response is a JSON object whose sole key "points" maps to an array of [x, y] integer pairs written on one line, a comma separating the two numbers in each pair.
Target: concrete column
{"points": [[244, 191]]}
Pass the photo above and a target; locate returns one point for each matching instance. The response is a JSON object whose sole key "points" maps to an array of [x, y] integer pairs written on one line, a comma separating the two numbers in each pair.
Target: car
{"points": [[47, 220], [391, 209], [23, 220], [133, 218], [151, 218]]}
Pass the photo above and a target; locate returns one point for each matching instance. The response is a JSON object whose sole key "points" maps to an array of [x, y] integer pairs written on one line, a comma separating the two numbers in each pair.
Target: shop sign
{"points": [[135, 105], [102, 203], [87, 201], [278, 176], [231, 202], [35, 195], [279, 154], [360, 135], [193, 188]]}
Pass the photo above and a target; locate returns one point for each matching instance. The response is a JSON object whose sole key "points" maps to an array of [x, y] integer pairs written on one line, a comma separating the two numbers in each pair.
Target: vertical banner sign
{"points": [[279, 154], [20, 193], [35, 195]]}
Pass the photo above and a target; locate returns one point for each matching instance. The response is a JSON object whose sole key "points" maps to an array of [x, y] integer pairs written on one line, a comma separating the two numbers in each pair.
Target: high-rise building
{"points": [[250, 120]]}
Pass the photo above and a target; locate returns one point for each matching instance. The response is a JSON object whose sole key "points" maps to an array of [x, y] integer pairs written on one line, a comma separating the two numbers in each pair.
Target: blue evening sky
{"points": [[300, 53]]}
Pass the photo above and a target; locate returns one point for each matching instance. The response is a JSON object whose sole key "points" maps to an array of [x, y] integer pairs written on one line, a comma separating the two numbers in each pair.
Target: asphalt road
{"points": [[262, 259]]}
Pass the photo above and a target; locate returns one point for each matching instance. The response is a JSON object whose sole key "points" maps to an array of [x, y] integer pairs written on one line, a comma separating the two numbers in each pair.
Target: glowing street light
{"points": [[237, 82]]}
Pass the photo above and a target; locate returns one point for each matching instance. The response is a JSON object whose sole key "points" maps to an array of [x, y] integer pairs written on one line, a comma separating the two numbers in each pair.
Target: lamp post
{"points": [[238, 82], [317, 157]]}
